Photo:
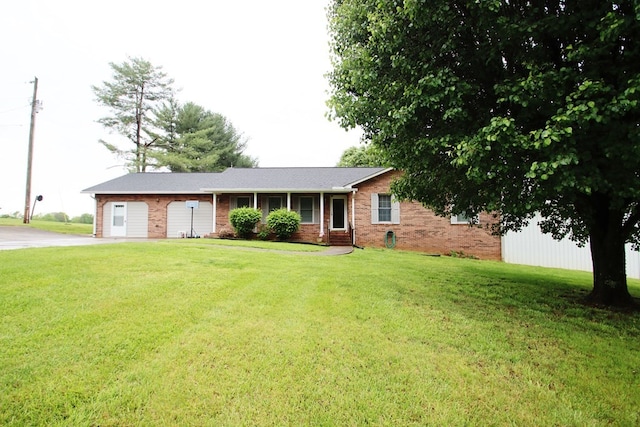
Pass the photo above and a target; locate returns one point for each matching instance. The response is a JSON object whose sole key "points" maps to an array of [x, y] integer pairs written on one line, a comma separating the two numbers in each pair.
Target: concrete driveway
{"points": [[12, 237], [27, 237]]}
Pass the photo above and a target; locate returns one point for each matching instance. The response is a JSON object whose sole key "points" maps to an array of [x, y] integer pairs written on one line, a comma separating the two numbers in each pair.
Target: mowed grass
{"points": [[193, 333], [58, 227]]}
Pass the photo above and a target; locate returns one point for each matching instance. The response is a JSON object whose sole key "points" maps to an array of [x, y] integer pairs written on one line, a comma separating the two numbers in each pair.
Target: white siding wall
{"points": [[106, 220], [179, 219], [531, 247]]}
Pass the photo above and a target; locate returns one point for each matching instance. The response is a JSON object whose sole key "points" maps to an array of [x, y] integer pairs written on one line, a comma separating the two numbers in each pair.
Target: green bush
{"points": [[244, 220], [283, 223], [264, 232]]}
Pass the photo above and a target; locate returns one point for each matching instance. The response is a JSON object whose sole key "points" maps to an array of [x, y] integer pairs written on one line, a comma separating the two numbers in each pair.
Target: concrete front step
{"points": [[340, 239]]}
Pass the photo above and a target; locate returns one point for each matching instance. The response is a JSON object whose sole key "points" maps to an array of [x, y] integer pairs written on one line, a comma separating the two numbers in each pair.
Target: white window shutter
{"points": [[395, 211], [374, 208]]}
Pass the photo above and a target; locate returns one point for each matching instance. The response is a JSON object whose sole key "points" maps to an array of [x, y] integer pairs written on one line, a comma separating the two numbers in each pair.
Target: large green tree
{"points": [[361, 156], [193, 139], [137, 88], [513, 107]]}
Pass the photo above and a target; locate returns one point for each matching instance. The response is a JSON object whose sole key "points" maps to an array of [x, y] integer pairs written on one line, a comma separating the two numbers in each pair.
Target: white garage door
{"points": [[179, 219]]}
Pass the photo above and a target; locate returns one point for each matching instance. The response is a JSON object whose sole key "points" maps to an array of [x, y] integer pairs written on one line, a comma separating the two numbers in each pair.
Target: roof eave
{"points": [[129, 192], [367, 178]]}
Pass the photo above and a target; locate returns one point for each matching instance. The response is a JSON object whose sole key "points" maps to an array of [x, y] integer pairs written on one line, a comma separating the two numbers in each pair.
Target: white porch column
{"points": [[288, 201], [321, 214], [215, 210], [255, 200]]}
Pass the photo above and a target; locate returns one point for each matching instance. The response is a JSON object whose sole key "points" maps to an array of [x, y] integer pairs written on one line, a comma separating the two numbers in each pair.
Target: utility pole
{"points": [[35, 106]]}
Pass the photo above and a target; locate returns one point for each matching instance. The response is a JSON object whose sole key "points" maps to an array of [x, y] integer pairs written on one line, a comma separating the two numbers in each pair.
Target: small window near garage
{"points": [[463, 218], [118, 215], [243, 202], [306, 210]]}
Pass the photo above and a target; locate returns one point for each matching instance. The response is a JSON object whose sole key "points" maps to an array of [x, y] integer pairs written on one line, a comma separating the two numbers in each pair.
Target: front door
{"points": [[119, 219], [339, 213]]}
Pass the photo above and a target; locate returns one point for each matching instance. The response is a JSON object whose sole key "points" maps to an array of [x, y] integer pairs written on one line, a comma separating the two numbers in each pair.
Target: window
{"points": [[464, 218], [306, 210], [384, 209], [243, 202], [274, 203], [269, 204], [118, 215]]}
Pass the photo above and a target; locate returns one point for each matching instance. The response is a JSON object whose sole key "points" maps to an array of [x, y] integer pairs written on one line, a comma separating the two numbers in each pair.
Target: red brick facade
{"points": [[419, 228]]}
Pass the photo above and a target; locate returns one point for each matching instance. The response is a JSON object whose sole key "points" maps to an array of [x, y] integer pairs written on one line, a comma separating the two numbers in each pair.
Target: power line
{"points": [[15, 109], [14, 125]]}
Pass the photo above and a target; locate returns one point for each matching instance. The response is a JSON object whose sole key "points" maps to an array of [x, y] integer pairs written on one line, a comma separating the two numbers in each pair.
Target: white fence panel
{"points": [[531, 247]]}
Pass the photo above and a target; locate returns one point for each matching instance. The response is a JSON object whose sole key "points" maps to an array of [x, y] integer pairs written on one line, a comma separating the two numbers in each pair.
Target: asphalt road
{"points": [[27, 237]]}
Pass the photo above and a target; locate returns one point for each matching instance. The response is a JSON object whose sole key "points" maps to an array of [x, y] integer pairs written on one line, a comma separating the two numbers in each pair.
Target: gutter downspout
{"points": [[215, 210], [95, 215]]}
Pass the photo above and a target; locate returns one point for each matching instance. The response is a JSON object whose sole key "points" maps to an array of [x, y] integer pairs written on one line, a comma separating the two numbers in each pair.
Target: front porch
{"points": [[324, 216]]}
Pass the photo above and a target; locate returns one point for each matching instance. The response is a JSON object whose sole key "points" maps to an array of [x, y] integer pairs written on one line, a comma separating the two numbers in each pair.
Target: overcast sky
{"points": [[261, 64]]}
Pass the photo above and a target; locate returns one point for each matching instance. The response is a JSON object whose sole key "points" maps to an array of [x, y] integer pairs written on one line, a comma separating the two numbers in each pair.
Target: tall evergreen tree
{"points": [[197, 140], [136, 89]]}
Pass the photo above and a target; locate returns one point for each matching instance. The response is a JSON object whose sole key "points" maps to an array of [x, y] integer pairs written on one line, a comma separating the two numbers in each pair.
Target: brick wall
{"points": [[420, 229], [309, 233], [222, 214]]}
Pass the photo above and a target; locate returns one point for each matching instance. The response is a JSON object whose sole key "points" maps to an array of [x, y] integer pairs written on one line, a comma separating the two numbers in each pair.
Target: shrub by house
{"points": [[283, 223], [244, 220]]}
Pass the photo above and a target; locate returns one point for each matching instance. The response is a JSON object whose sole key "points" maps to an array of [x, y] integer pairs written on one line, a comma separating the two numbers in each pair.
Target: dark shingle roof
{"points": [[290, 178], [154, 183], [236, 180]]}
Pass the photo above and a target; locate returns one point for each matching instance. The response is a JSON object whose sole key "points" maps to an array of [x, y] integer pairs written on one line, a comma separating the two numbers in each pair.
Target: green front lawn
{"points": [[193, 333]]}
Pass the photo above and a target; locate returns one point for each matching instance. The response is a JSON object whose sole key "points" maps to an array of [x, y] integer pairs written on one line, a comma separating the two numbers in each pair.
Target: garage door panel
{"points": [[179, 219]]}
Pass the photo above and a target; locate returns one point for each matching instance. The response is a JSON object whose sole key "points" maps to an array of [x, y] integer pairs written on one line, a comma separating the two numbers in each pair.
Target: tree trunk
{"points": [[609, 267]]}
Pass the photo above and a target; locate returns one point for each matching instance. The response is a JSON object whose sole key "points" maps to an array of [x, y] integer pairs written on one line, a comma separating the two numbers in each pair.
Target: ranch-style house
{"points": [[338, 206]]}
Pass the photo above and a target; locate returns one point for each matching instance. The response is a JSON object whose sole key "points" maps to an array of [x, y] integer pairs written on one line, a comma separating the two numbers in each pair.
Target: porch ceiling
{"points": [[276, 190]]}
